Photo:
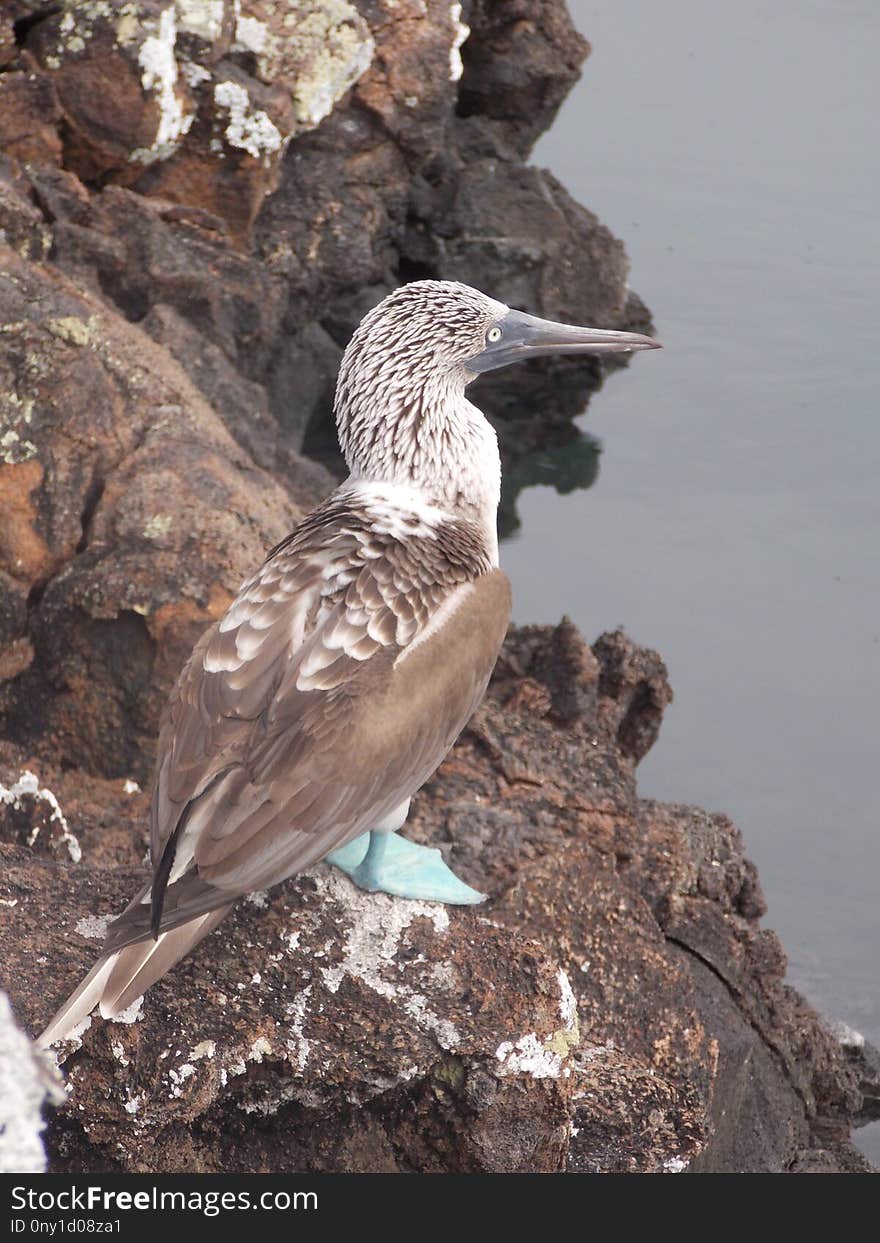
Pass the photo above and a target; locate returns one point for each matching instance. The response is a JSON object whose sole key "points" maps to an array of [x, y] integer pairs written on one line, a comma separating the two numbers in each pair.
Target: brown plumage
{"points": [[346, 667], [328, 648]]}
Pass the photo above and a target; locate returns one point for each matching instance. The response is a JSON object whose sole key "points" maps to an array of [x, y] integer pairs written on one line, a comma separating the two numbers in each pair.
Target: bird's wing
{"points": [[329, 692]]}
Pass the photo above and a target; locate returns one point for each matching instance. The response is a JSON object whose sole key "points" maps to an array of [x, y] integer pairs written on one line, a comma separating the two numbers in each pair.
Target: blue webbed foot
{"points": [[347, 857], [384, 862]]}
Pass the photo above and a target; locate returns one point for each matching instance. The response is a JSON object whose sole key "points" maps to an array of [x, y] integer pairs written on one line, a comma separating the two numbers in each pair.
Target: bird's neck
{"points": [[432, 443]]}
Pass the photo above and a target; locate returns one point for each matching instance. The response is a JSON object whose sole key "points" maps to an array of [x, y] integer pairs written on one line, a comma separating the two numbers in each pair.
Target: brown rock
{"points": [[635, 690], [602, 1013], [29, 117], [519, 64], [196, 105], [117, 86], [361, 1031], [8, 45], [21, 221], [382, 182], [241, 403], [408, 83], [134, 517]]}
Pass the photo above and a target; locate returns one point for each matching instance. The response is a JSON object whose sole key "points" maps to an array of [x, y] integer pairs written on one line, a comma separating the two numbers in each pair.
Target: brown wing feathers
{"points": [[305, 716], [298, 672], [327, 694]]}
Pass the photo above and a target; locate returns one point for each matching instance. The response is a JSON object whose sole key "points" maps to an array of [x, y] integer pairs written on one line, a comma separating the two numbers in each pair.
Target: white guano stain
{"points": [[544, 1059], [416, 1006], [159, 75], [194, 74], [14, 450], [132, 1013], [567, 1002], [298, 1044], [460, 35], [595, 1053], [119, 1053], [133, 1104], [259, 1049], [178, 1076], [250, 130], [528, 1056], [251, 35], [374, 934], [675, 1165], [28, 784], [378, 922], [93, 926], [202, 18]]}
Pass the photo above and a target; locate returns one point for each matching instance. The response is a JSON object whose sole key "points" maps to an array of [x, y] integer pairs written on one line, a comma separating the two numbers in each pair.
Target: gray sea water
{"points": [[734, 522]]}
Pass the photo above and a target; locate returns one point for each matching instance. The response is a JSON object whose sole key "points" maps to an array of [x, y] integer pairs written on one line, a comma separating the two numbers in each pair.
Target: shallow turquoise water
{"points": [[734, 522]]}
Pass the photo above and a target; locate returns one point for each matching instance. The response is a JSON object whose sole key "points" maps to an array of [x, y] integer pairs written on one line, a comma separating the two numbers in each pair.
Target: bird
{"points": [[340, 676]]}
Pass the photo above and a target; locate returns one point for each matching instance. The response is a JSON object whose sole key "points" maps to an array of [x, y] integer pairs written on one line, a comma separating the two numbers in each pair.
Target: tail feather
{"points": [[119, 978], [137, 966], [79, 1004]]}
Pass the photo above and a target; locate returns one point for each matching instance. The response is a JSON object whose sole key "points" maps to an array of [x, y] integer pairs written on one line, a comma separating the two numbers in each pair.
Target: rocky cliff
{"points": [[198, 201]]}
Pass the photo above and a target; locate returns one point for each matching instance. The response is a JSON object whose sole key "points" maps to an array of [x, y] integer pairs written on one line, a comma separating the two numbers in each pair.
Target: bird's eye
{"points": [[493, 335]]}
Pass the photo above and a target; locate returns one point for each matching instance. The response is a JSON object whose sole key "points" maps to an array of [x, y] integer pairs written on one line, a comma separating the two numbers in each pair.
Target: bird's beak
{"points": [[525, 336]]}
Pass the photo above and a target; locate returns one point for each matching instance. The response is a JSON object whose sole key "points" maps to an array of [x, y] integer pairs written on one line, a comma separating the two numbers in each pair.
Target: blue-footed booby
{"points": [[341, 675]]}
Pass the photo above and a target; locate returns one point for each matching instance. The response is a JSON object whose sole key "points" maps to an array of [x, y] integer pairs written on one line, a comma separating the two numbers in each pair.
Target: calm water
{"points": [[734, 521]]}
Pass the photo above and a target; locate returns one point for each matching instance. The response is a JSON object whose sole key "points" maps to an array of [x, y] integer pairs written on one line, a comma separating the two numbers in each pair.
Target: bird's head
{"points": [[402, 378]]}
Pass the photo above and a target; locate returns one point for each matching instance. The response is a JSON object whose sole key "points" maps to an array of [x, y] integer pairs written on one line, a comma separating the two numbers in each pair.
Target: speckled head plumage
{"points": [[421, 329], [401, 411]]}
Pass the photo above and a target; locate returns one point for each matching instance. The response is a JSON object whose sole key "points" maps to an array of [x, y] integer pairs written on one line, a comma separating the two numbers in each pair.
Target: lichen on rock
{"points": [[320, 48]]}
